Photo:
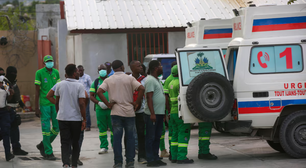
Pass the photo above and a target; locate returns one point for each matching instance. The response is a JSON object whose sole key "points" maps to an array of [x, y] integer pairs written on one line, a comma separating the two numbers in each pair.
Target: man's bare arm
{"points": [[57, 103], [103, 98], [37, 93], [50, 96]]}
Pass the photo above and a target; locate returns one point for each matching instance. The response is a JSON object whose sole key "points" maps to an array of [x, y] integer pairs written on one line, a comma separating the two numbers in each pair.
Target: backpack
{"points": [[96, 87], [135, 94]]}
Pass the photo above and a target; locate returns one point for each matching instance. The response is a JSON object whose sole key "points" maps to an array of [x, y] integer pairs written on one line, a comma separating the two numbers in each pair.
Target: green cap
{"points": [[174, 70], [48, 58]]}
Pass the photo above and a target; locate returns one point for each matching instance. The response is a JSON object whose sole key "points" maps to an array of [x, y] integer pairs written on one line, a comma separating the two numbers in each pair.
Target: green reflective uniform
{"points": [[204, 137], [181, 131], [162, 138], [46, 81], [103, 117]]}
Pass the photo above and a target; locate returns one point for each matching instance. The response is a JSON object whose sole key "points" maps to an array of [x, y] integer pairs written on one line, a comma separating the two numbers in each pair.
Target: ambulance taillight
{"points": [[235, 110]]}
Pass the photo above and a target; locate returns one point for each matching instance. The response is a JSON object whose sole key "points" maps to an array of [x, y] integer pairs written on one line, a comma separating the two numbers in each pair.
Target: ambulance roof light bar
{"points": [[189, 24]]}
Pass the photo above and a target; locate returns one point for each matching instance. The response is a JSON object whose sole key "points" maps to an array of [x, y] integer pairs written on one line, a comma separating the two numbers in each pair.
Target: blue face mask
{"points": [[103, 73], [49, 64]]}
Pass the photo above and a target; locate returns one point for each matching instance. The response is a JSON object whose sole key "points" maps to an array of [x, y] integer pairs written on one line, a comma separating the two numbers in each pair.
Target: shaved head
{"points": [[102, 66]]}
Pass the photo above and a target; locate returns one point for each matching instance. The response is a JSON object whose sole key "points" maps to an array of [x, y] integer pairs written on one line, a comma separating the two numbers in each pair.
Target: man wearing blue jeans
{"points": [[154, 113], [120, 88]]}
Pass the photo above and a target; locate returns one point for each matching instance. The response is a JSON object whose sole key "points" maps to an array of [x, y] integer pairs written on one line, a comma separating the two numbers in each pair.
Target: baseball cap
{"points": [[48, 58], [174, 70]]}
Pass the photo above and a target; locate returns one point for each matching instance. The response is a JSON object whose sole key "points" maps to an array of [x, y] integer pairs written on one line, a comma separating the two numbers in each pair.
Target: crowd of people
{"points": [[135, 105]]}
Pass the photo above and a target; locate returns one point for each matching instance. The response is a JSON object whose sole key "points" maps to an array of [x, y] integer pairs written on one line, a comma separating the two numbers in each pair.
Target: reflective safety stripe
{"points": [[102, 133], [162, 137], [170, 137], [37, 82], [183, 145], [54, 132], [92, 90], [166, 90], [46, 133], [174, 143], [58, 80], [204, 138], [173, 99], [112, 133]]}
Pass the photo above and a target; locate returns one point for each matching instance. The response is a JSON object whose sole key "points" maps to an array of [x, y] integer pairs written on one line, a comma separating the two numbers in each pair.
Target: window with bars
{"points": [[142, 44]]}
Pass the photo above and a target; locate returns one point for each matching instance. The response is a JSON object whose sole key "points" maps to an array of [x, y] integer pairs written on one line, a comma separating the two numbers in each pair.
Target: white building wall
{"points": [[98, 49], [176, 40]]}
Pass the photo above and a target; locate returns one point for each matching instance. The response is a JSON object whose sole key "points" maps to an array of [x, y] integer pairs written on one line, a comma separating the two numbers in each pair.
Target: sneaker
{"points": [[152, 164], [19, 152], [87, 129], [142, 160], [65, 166], [102, 151], [161, 163], [79, 162], [186, 161], [208, 156], [164, 153], [118, 165], [49, 157], [41, 148], [129, 165], [9, 157]]}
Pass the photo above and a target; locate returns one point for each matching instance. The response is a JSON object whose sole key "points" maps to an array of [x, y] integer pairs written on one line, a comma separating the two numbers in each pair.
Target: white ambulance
{"points": [[266, 69]]}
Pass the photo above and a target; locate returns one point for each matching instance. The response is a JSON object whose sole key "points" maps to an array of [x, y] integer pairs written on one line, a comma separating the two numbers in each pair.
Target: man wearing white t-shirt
{"points": [[71, 114]]}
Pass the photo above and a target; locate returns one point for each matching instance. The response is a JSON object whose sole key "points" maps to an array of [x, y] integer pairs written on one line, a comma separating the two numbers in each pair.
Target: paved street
{"points": [[233, 151]]}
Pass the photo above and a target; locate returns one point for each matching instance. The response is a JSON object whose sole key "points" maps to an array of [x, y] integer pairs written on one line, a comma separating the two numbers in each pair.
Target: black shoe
{"points": [[49, 157], [41, 149], [173, 161], [186, 161], [19, 152], [161, 163], [152, 164], [208, 156], [79, 162], [170, 157], [9, 157]]}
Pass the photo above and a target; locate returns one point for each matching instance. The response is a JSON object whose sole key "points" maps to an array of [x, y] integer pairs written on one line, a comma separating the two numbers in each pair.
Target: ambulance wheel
{"points": [[293, 134], [276, 146], [210, 97]]}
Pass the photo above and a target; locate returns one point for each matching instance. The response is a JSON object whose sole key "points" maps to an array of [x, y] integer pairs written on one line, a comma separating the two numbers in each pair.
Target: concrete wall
{"points": [[62, 46], [46, 13], [176, 40], [26, 62], [98, 49]]}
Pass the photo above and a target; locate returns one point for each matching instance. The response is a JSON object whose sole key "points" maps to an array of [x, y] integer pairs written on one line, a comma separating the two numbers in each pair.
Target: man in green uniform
{"points": [[45, 79], [204, 136], [102, 111], [181, 131], [163, 150]]}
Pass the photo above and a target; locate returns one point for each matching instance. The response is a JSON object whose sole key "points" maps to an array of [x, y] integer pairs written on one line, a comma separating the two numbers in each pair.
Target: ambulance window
{"points": [[231, 64], [224, 52], [193, 63], [276, 59]]}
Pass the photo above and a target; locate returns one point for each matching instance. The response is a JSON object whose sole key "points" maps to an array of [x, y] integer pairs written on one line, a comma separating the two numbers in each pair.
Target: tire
{"points": [[218, 128], [210, 97], [276, 146], [293, 134]]}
